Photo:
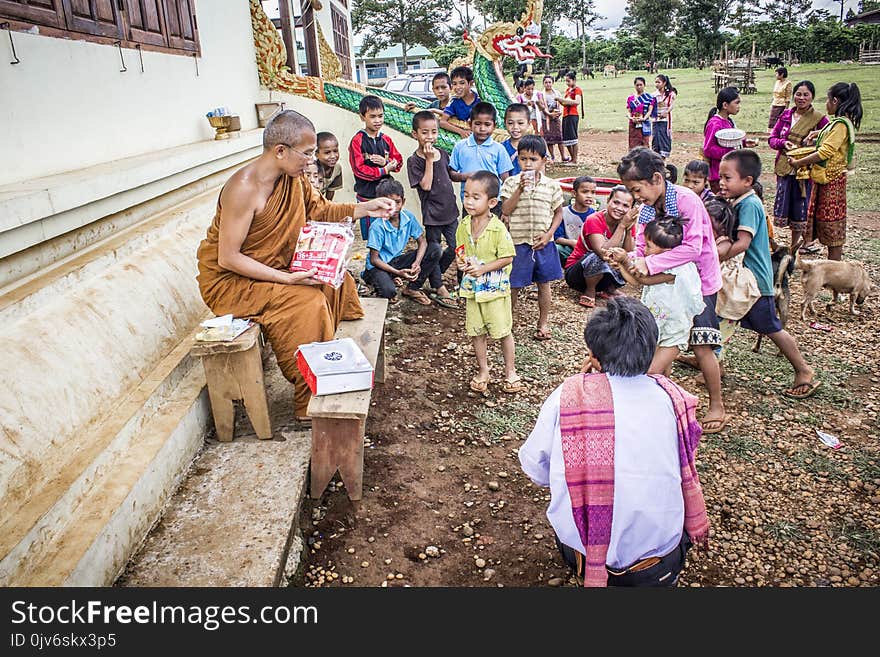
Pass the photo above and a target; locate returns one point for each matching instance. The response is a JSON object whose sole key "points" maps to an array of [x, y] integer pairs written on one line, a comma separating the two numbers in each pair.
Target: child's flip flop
{"points": [[811, 388], [587, 302]]}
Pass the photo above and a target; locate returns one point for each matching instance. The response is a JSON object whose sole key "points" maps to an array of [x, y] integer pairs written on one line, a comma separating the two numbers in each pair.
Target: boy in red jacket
{"points": [[373, 156]]}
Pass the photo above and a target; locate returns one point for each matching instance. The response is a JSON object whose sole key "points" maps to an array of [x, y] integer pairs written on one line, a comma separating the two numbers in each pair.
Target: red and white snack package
{"points": [[326, 247]]}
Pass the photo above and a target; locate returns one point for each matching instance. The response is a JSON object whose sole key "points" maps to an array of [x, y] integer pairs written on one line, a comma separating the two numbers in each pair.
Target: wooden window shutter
{"points": [[39, 12], [101, 17], [180, 21], [146, 21], [340, 40]]}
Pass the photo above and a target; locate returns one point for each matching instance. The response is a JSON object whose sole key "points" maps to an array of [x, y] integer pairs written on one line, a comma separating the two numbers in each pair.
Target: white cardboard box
{"points": [[335, 366]]}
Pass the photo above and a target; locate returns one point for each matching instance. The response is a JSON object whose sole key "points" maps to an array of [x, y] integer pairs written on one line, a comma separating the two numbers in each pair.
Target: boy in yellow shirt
{"points": [[484, 253]]}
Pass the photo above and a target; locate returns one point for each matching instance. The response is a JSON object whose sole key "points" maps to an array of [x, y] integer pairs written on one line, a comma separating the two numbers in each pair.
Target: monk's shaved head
{"points": [[286, 127]]}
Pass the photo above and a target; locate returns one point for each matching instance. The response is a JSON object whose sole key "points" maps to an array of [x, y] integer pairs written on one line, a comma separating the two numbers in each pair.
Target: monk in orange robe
{"points": [[244, 259]]}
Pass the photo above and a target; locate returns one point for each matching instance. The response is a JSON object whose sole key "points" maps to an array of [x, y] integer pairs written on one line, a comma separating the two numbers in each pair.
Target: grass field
{"points": [[605, 100]]}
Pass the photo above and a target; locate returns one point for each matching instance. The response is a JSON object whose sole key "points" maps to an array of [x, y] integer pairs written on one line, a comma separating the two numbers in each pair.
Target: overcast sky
{"points": [[615, 9]]}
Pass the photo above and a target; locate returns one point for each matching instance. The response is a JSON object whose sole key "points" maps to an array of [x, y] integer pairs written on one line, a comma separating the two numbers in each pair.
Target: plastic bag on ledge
{"points": [[325, 247]]}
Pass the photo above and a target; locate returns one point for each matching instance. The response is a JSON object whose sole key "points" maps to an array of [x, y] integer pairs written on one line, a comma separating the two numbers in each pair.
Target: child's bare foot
{"points": [[700, 380]]}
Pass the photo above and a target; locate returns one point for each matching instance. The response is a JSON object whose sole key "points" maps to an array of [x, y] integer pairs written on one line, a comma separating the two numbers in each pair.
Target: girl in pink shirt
{"points": [[727, 105], [643, 173]]}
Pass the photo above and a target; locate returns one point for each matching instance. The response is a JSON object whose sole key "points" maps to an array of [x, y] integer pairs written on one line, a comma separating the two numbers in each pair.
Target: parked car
{"points": [[412, 85]]}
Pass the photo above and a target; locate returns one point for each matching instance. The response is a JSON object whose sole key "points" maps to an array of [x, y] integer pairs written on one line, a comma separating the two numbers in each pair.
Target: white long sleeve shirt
{"points": [[648, 517]]}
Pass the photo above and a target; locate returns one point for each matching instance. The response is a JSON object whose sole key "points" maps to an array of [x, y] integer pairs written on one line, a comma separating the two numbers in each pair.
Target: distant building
{"points": [[865, 18], [387, 63]]}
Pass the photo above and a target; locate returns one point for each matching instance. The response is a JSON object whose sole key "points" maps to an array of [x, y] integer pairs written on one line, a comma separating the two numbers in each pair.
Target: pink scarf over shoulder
{"points": [[586, 419]]}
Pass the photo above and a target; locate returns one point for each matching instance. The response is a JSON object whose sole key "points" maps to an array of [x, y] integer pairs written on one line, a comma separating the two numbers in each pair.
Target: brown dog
{"points": [[841, 277]]}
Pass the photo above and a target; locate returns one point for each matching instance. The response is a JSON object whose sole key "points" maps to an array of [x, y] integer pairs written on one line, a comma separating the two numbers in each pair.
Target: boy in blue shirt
{"points": [[583, 197], [516, 120], [739, 171], [479, 152], [389, 264], [464, 102]]}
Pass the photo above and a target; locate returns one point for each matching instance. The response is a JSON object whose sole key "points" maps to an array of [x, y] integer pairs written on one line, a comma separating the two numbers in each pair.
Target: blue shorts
{"points": [[530, 266], [762, 317]]}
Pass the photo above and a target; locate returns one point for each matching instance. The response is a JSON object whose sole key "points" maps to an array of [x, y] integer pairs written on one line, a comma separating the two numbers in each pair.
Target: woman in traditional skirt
{"points": [[551, 118], [640, 107], [835, 144], [790, 131], [573, 97], [665, 97]]}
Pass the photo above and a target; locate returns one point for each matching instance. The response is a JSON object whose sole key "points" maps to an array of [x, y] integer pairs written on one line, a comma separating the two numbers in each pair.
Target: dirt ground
{"points": [[446, 504]]}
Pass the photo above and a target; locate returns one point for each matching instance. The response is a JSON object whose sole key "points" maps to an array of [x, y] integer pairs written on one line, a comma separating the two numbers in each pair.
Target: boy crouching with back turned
{"points": [[484, 253]]}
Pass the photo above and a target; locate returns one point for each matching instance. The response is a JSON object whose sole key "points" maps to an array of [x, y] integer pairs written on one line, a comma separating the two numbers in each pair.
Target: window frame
{"points": [[43, 27]]}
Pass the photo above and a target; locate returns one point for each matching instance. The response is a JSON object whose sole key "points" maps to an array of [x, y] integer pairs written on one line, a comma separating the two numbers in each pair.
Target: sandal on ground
{"points": [[587, 302], [418, 296], [446, 302], [513, 386], [479, 386], [718, 425], [543, 334], [606, 295], [810, 249], [303, 418], [808, 390]]}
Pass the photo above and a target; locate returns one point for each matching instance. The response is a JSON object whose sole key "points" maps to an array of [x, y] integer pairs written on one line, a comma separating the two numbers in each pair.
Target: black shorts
{"points": [[762, 317], [706, 330]]}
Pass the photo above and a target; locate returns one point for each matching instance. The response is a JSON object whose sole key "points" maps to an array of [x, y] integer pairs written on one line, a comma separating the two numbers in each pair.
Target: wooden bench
{"points": [[234, 370], [338, 420]]}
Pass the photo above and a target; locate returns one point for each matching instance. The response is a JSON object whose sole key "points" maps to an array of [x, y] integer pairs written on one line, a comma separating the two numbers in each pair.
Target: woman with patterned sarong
{"points": [[790, 131], [640, 108], [835, 144], [665, 97], [551, 118]]}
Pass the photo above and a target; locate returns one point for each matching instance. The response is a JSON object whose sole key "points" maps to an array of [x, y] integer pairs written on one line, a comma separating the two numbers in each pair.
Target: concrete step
{"points": [[65, 522], [101, 532], [233, 521]]}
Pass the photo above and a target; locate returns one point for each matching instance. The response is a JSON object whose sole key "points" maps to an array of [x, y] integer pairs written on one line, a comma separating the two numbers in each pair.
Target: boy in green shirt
{"points": [[484, 252]]}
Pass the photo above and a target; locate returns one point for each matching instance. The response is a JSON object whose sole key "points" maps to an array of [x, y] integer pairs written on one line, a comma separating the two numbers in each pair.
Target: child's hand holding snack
{"points": [[378, 160]]}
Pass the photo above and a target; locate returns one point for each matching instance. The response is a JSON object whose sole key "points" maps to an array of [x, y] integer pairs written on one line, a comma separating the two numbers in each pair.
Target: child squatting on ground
{"points": [[533, 202], [485, 253], [738, 172], [674, 296], [389, 263]]}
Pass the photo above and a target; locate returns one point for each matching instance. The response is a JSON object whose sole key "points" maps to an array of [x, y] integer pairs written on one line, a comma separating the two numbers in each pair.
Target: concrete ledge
{"points": [[37, 210], [102, 533]]}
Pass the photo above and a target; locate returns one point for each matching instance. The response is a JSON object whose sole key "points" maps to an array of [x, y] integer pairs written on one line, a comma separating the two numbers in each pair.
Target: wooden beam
{"points": [[287, 34]]}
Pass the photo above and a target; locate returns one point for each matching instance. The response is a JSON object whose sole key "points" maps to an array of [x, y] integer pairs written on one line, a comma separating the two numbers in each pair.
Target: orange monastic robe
{"points": [[290, 315]]}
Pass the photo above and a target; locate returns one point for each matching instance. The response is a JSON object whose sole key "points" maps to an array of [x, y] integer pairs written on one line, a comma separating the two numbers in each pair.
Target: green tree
{"points": [[868, 5], [387, 22], [785, 13], [651, 20], [583, 14], [447, 53], [701, 21]]}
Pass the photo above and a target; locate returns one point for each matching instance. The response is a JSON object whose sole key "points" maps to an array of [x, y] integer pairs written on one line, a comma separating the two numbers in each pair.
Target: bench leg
{"points": [[220, 390], [379, 371], [249, 372], [337, 445]]}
